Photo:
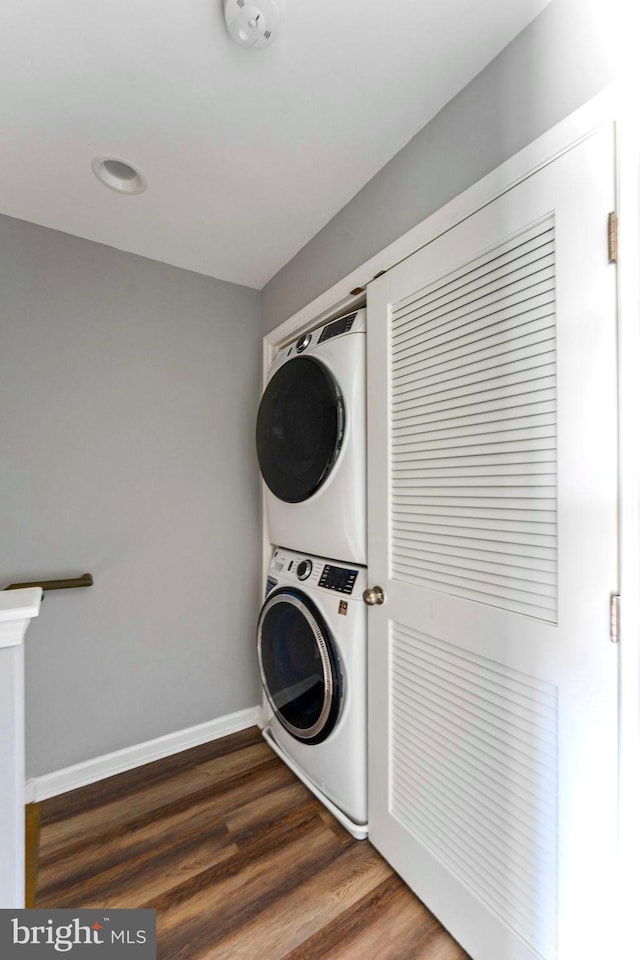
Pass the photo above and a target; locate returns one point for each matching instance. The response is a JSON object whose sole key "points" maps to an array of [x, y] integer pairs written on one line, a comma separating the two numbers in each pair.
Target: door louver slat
{"points": [[463, 780], [516, 336], [483, 320], [501, 519], [466, 546], [480, 379], [535, 237], [474, 775], [534, 537], [491, 389], [483, 589], [476, 559], [474, 466], [497, 359], [487, 673], [473, 430], [432, 425], [480, 762]]}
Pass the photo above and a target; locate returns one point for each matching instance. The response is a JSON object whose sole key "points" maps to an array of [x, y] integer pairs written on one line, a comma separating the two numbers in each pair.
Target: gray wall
{"points": [[127, 399], [557, 63], [127, 395]]}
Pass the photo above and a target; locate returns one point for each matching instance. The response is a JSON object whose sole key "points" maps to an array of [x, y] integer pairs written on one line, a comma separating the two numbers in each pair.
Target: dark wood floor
{"points": [[238, 858]]}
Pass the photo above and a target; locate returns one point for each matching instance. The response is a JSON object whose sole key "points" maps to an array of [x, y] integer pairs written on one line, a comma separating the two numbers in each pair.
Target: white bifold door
{"points": [[493, 534]]}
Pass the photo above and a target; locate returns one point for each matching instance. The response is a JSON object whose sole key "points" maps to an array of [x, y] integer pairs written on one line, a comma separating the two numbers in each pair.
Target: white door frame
{"points": [[610, 104]]}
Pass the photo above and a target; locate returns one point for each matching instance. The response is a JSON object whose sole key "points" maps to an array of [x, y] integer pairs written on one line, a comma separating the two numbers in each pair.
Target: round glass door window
{"points": [[299, 665], [299, 429]]}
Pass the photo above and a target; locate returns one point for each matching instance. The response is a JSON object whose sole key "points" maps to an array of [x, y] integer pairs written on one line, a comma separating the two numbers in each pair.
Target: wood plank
{"points": [[278, 847], [32, 820], [113, 788], [238, 858], [131, 885], [194, 812], [242, 821], [148, 803], [388, 923], [302, 908], [130, 870], [241, 888]]}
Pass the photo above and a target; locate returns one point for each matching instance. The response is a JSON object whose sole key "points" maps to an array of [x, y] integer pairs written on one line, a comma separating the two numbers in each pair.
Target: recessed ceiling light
{"points": [[118, 175]]}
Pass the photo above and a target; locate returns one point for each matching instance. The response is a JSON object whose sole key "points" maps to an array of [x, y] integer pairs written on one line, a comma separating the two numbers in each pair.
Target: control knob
{"points": [[304, 569]]}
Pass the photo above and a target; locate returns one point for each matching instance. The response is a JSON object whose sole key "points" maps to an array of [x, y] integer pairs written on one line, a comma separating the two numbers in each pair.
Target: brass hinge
{"points": [[358, 290], [614, 618], [612, 235]]}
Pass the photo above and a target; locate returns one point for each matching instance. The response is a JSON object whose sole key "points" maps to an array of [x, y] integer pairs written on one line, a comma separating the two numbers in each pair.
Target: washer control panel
{"points": [[337, 578], [310, 573]]}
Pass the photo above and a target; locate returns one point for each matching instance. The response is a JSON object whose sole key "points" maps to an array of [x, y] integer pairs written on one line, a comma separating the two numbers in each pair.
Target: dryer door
{"points": [[299, 665], [299, 429]]}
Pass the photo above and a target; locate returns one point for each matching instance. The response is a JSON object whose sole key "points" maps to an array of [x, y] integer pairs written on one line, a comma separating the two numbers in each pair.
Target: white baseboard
{"points": [[90, 771]]}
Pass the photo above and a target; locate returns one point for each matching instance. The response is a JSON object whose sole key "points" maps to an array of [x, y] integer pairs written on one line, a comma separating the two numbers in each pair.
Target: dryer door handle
{"points": [[374, 596]]}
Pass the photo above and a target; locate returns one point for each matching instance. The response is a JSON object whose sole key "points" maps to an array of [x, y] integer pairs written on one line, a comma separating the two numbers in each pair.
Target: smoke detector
{"points": [[253, 24]]}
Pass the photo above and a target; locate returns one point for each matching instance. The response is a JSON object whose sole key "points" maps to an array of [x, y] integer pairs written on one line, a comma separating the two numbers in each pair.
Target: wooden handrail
{"points": [[86, 580]]}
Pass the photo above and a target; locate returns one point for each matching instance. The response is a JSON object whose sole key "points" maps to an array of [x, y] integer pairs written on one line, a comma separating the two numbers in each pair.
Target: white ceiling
{"points": [[247, 154]]}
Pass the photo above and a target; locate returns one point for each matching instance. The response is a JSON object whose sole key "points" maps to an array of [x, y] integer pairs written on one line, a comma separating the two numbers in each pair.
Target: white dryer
{"points": [[311, 442], [312, 657]]}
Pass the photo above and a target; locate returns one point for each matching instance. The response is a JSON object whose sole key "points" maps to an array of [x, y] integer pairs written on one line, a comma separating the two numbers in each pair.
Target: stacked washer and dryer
{"points": [[311, 443]]}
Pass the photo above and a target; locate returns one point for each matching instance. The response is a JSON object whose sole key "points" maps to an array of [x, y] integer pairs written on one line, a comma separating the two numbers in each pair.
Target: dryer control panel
{"points": [[343, 325], [354, 322]]}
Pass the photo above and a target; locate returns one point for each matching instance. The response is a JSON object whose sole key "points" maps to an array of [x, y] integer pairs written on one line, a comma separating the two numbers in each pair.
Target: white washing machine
{"points": [[311, 442], [312, 657]]}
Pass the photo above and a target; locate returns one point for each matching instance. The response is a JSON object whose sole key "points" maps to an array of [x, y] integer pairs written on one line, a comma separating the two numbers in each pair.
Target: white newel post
{"points": [[17, 607]]}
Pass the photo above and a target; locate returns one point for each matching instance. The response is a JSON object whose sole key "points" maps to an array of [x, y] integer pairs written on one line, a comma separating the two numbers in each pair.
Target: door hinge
{"points": [[612, 234], [358, 290], [614, 618]]}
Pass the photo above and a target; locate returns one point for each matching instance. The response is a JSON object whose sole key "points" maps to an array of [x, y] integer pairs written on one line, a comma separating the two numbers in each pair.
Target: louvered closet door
{"points": [[492, 492]]}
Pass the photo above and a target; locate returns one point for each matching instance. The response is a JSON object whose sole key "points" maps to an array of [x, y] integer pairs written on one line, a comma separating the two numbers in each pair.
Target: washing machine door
{"points": [[299, 665], [299, 429]]}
